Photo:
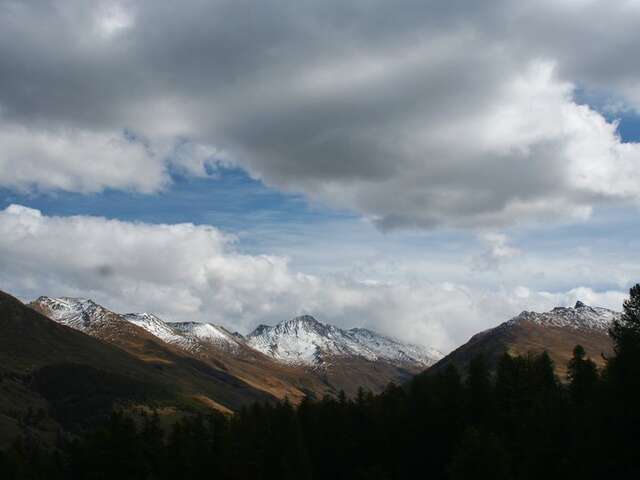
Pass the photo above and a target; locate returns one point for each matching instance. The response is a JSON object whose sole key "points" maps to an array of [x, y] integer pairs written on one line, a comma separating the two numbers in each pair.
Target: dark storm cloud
{"points": [[413, 113]]}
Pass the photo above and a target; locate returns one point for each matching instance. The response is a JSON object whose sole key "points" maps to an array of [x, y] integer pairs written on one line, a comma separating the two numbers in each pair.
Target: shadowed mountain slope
{"points": [[557, 331], [75, 377], [296, 358]]}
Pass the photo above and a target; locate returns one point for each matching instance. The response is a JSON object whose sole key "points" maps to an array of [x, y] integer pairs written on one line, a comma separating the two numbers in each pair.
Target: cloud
{"points": [[497, 252], [75, 160], [194, 272], [79, 160], [413, 114]]}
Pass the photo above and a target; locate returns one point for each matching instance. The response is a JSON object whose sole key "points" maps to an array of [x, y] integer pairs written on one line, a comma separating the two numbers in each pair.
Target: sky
{"points": [[425, 169]]}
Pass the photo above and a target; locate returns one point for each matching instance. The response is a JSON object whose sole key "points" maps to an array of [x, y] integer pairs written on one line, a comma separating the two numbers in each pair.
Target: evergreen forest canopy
{"points": [[520, 422]]}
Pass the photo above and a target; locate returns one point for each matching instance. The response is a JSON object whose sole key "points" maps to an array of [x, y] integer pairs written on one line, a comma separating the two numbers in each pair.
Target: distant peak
{"points": [[305, 323], [303, 319], [582, 316], [66, 301], [260, 329], [360, 330], [187, 324], [305, 340], [141, 316]]}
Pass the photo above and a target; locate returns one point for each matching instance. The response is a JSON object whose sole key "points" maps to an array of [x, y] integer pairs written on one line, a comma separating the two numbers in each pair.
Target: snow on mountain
{"points": [[79, 313], [305, 341], [86, 315], [391, 349], [301, 340], [209, 333], [580, 317], [157, 327]]}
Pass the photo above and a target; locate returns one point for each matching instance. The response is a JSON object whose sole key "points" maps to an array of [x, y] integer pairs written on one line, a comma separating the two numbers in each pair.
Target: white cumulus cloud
{"points": [[194, 272], [414, 115]]}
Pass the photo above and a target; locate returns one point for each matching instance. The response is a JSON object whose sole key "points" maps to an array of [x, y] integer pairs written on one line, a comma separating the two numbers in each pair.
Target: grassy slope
{"points": [[524, 337], [42, 361]]}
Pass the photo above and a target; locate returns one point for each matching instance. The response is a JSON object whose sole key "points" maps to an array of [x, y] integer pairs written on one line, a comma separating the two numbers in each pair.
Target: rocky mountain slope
{"points": [[55, 377], [293, 359], [345, 359], [207, 343], [305, 341], [90, 358], [93, 319], [557, 331]]}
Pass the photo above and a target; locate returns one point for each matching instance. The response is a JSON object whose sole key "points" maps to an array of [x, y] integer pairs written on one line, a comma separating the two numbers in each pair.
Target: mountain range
{"points": [[293, 359], [305, 341], [55, 378], [76, 359]]}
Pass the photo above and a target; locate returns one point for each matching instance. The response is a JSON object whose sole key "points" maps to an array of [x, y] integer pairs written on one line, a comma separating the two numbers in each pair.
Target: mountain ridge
{"points": [[78, 377], [354, 358], [316, 340], [556, 331], [306, 341], [581, 316]]}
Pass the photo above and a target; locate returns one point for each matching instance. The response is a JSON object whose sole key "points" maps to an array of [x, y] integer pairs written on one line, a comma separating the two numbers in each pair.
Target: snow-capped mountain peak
{"points": [[579, 317], [303, 320], [209, 333], [155, 326], [87, 316], [78, 313], [304, 340]]}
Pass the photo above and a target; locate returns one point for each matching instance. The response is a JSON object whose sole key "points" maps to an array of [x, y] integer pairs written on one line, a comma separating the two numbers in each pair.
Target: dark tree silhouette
{"points": [[480, 456], [622, 381], [583, 377], [518, 422]]}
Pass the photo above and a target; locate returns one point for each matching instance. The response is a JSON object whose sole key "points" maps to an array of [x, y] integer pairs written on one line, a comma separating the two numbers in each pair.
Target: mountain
{"points": [[206, 343], [557, 331], [294, 359], [88, 317], [305, 341], [54, 377], [344, 359], [160, 329], [212, 335], [151, 340]]}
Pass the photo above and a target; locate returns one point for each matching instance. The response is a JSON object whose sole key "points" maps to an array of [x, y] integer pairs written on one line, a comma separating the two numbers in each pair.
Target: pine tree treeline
{"points": [[519, 423]]}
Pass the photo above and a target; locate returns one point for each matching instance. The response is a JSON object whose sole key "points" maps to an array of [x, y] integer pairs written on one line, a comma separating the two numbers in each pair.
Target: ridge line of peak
{"points": [[302, 318]]}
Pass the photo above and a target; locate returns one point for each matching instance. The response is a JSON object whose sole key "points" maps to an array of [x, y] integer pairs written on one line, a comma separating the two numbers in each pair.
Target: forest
{"points": [[517, 422]]}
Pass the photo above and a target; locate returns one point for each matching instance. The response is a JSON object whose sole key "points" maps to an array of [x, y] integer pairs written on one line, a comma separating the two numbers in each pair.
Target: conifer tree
{"points": [[480, 390], [480, 456], [582, 375], [623, 385], [623, 370], [625, 331]]}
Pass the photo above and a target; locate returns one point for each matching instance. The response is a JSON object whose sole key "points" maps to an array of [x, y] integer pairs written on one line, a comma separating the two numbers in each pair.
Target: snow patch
{"points": [[209, 333], [78, 313], [580, 317], [306, 341]]}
